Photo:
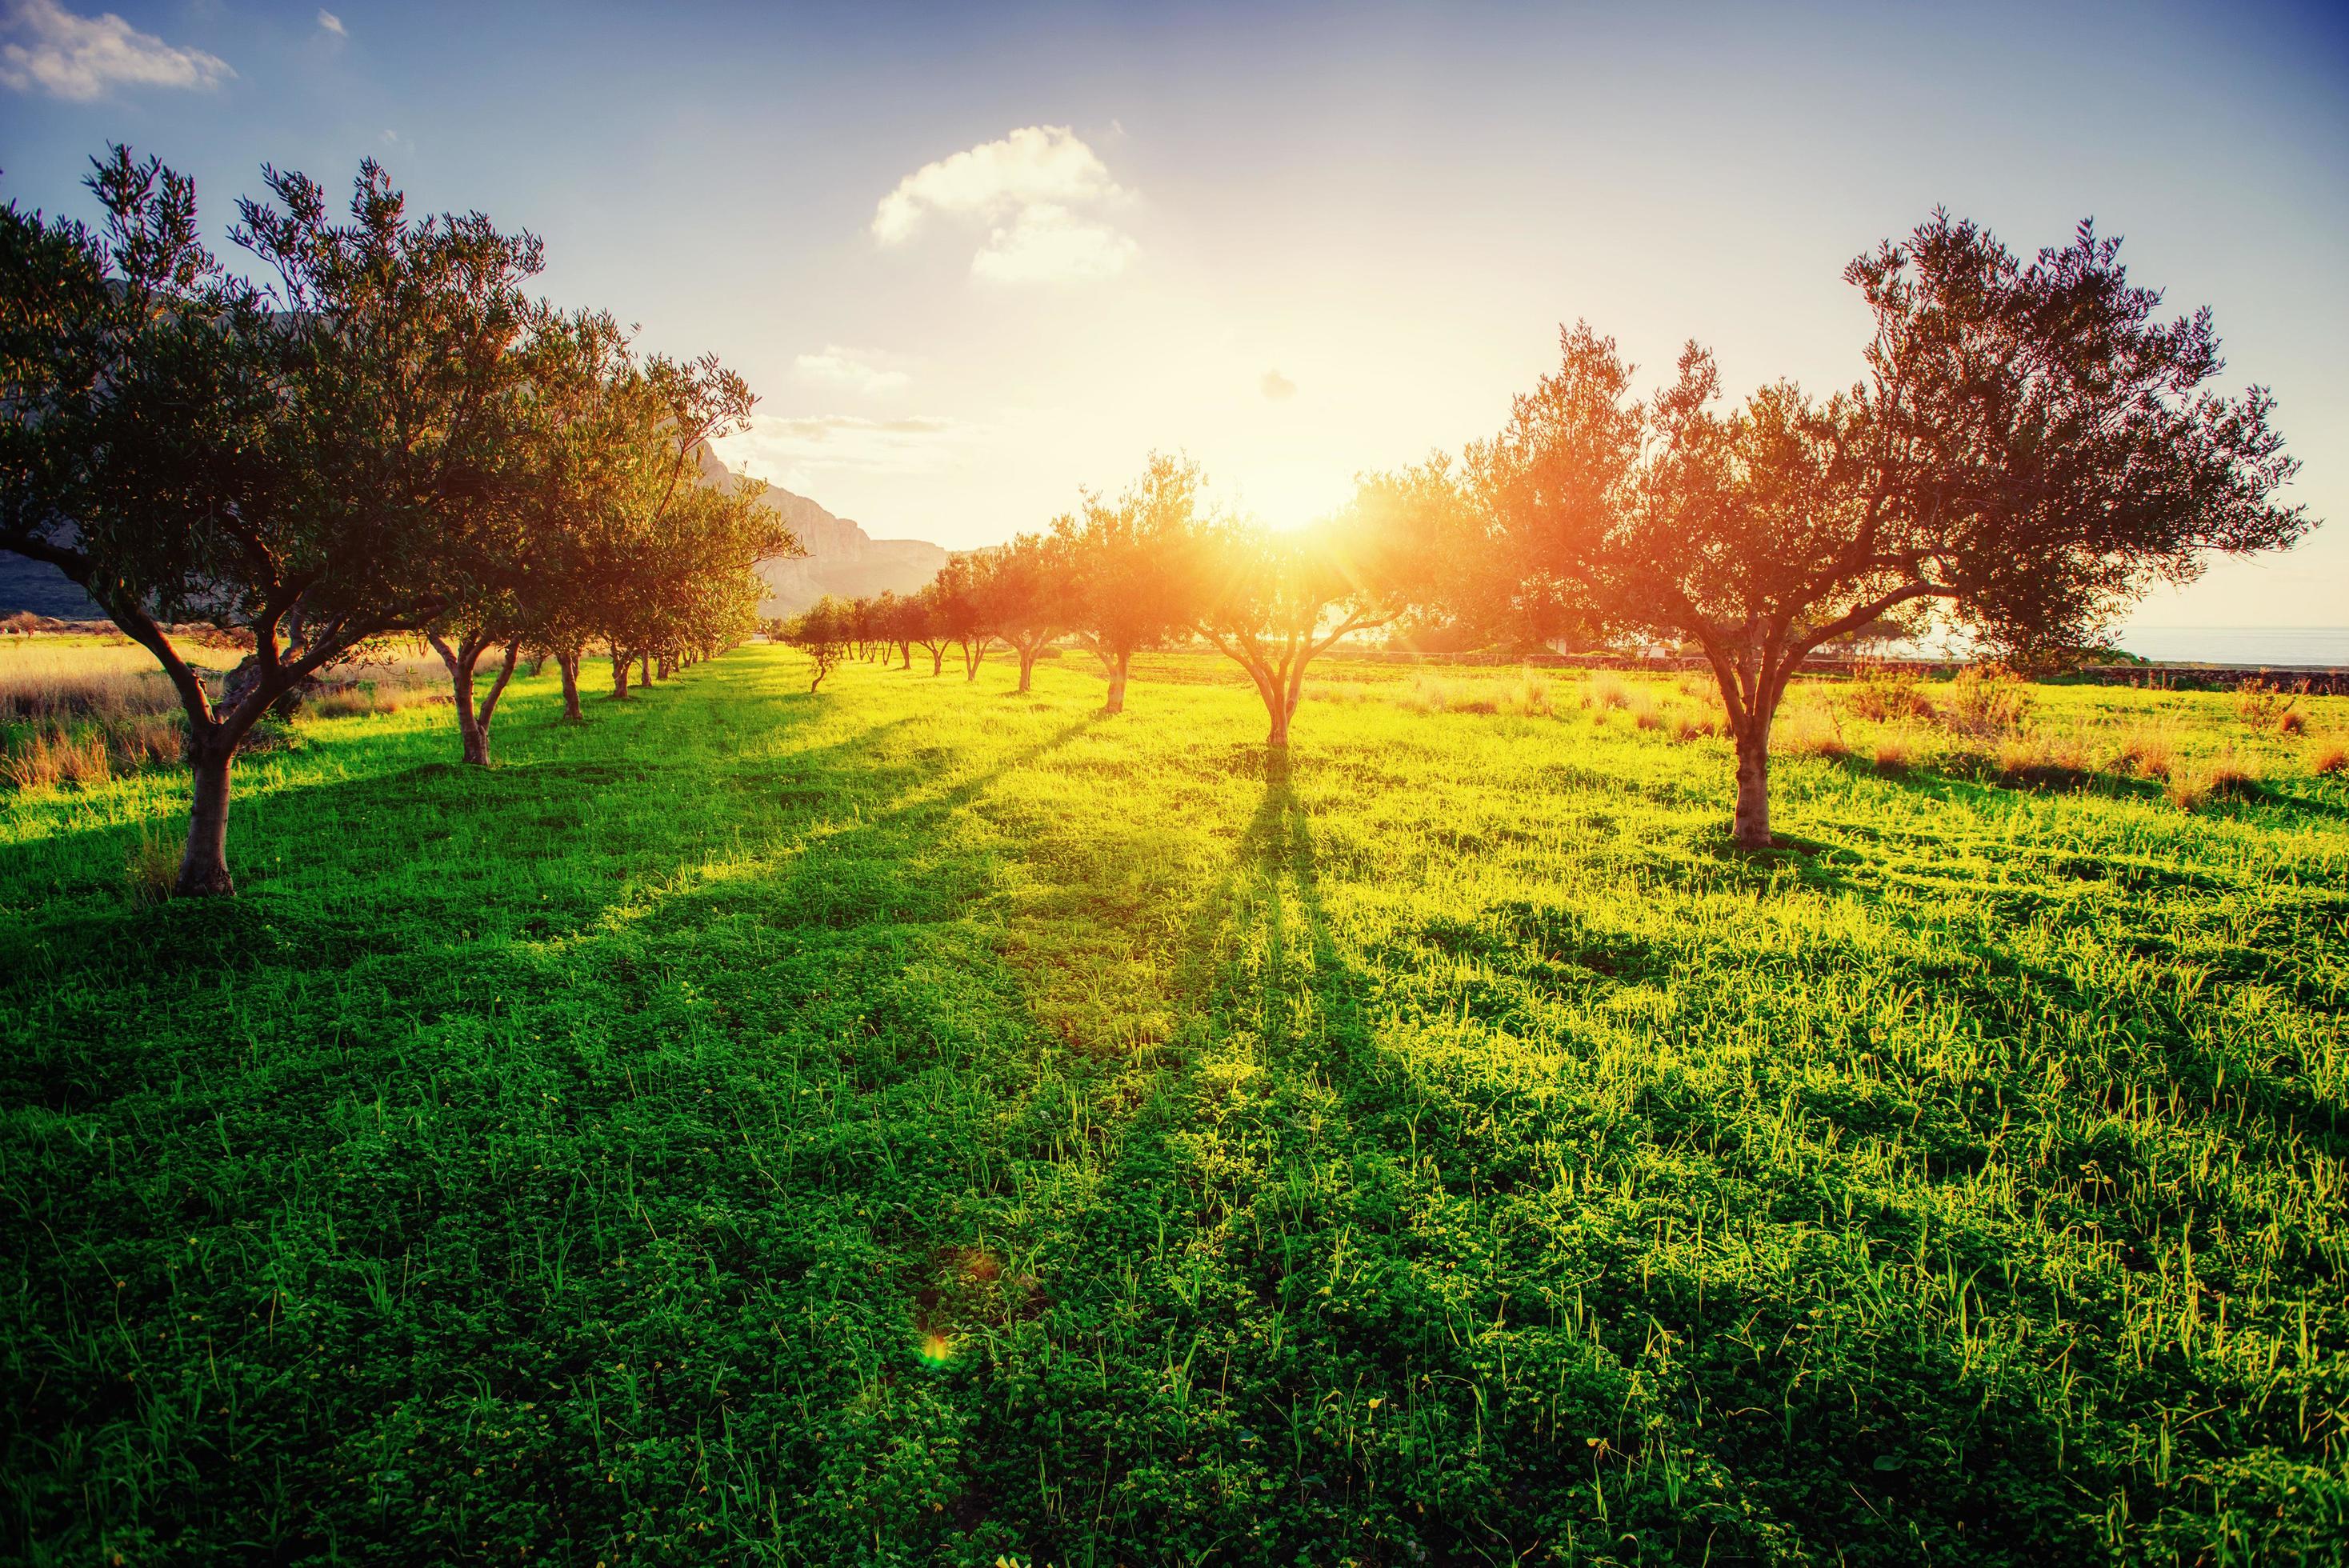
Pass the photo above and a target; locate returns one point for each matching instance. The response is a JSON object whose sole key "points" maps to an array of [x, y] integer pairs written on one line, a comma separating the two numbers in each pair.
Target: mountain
{"points": [[41, 588], [841, 559]]}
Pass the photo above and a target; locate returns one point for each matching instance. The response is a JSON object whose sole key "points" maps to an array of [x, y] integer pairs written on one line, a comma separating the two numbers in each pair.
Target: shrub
{"points": [[269, 733], [2290, 723], [1425, 694], [1882, 692], [34, 767], [2256, 701], [2330, 757], [1894, 755], [1988, 700]]}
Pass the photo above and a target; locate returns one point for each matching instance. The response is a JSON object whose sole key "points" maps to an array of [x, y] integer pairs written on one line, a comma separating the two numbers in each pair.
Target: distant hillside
{"points": [[840, 558], [41, 588]]}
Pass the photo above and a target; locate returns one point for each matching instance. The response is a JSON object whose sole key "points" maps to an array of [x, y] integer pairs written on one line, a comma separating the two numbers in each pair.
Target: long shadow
{"points": [[545, 1111], [1388, 1113]]}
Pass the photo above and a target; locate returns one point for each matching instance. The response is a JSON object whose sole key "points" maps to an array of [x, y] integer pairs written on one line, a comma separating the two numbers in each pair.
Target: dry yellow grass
{"points": [[151, 865], [1687, 728], [1809, 734], [54, 758], [2223, 777], [77, 708], [2146, 752]]}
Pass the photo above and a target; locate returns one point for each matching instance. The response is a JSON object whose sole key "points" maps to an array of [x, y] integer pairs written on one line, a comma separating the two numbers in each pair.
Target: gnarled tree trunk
{"points": [[473, 719], [568, 663], [490, 707], [621, 661], [204, 866]]}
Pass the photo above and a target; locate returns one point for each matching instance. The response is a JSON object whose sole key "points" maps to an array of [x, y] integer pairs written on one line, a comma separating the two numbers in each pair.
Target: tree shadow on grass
{"points": [[1323, 1020], [715, 1126]]}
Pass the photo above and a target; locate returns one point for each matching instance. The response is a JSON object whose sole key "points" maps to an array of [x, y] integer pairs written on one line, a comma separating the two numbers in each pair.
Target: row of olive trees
{"points": [[1152, 566], [2028, 447], [388, 437]]}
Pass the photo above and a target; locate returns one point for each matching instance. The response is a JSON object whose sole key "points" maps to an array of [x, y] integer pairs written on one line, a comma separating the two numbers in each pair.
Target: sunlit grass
{"points": [[922, 1124]]}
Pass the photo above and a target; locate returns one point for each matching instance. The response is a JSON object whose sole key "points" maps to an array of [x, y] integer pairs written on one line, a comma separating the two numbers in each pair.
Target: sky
{"points": [[972, 258]]}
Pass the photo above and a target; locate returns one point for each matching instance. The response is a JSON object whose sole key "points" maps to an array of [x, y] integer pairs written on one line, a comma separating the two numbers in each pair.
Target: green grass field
{"points": [[918, 1123]]}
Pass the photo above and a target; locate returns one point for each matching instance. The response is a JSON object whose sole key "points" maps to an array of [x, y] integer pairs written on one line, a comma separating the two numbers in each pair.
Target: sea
{"points": [[2286, 646]]}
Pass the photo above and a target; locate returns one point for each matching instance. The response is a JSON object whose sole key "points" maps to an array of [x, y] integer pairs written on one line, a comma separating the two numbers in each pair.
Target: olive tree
{"points": [[1024, 596], [306, 463], [1126, 588], [1272, 602], [824, 631], [2030, 446], [961, 617]]}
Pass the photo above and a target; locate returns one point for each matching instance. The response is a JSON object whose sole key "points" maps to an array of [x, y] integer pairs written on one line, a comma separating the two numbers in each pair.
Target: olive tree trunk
{"points": [[568, 663], [473, 717], [1750, 827], [620, 663], [1116, 703], [204, 866]]}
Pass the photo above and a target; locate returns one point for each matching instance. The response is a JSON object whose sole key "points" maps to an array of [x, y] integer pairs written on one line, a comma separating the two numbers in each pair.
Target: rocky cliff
{"points": [[841, 559]]}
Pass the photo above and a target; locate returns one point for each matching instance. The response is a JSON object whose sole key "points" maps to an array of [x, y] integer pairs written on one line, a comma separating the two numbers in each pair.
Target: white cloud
{"points": [[329, 22], [1048, 243], [1277, 388], [844, 442], [73, 56], [1039, 190], [867, 369]]}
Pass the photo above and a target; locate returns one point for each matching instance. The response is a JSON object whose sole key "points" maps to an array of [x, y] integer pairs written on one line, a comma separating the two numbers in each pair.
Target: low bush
{"points": [[1987, 701], [1886, 692]]}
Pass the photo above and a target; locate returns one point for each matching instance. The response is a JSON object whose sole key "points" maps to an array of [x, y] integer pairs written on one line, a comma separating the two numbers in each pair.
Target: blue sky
{"points": [[1296, 242]]}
